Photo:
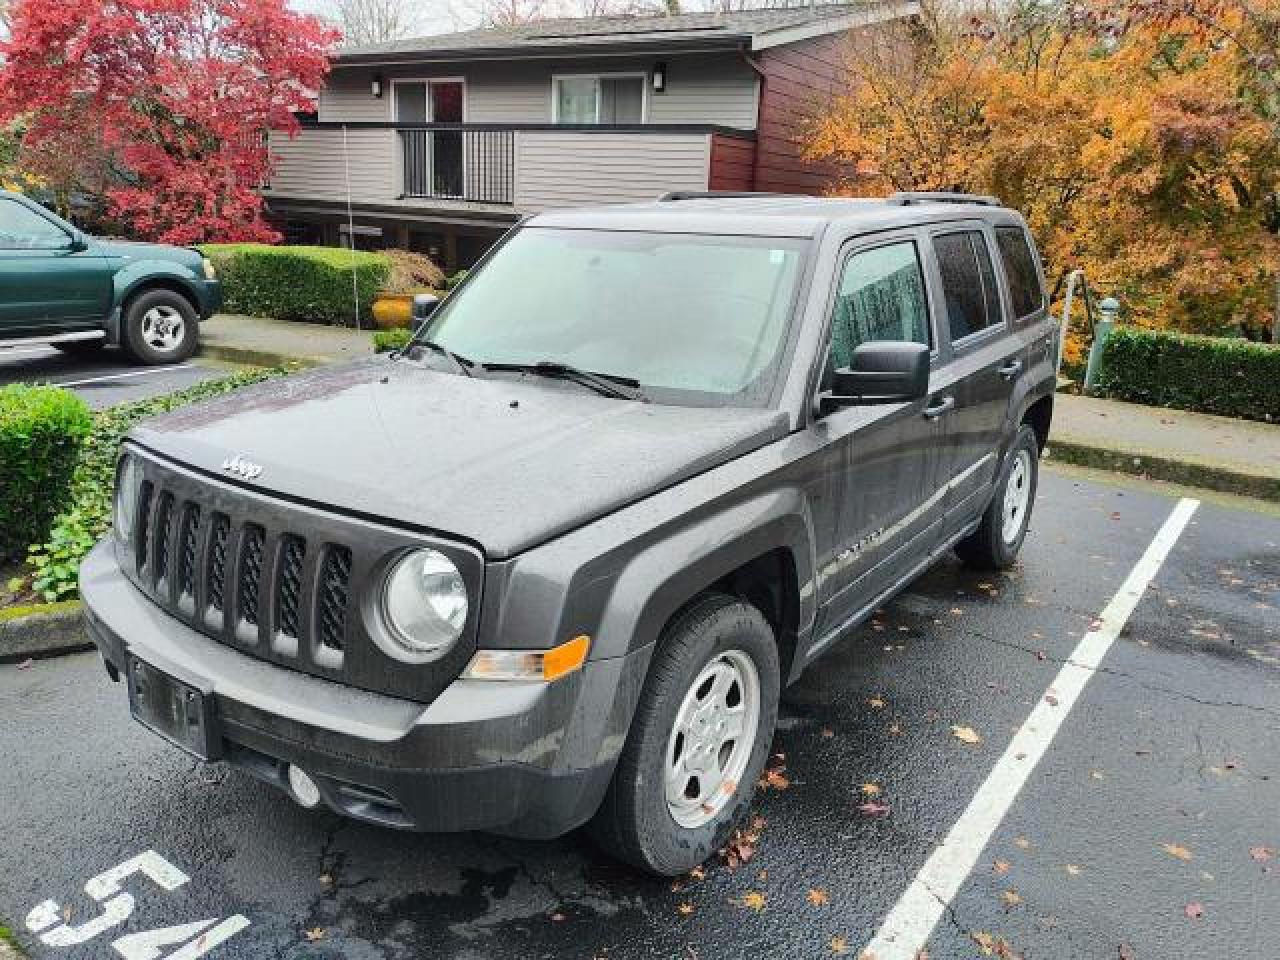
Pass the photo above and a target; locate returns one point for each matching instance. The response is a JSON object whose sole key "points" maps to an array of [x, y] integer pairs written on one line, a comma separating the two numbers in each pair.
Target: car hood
{"points": [[132, 250], [505, 462]]}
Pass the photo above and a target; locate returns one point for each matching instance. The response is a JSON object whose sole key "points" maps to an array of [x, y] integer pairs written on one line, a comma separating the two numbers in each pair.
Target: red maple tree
{"points": [[178, 94]]}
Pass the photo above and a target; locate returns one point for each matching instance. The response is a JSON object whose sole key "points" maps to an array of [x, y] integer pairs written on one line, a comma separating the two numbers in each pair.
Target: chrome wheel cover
{"points": [[163, 328], [712, 739], [1017, 497]]}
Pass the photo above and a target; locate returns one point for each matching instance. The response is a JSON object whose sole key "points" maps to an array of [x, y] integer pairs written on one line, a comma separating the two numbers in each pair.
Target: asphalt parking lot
{"points": [[1148, 829], [103, 380]]}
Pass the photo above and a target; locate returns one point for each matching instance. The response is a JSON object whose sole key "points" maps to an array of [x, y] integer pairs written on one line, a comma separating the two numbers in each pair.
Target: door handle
{"points": [[938, 408], [1011, 369]]}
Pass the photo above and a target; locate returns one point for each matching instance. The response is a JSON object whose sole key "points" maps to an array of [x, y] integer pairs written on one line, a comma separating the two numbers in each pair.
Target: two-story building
{"points": [[440, 144]]}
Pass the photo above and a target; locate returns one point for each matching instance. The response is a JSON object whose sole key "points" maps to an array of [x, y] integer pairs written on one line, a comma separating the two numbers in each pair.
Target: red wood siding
{"points": [[732, 163], [799, 80]]}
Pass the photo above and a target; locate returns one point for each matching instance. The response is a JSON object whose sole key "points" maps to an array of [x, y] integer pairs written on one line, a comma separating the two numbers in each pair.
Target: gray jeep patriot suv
{"points": [[552, 564]]}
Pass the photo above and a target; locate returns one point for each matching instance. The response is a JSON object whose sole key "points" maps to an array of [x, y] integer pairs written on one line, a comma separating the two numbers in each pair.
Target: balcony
{"points": [[504, 168]]}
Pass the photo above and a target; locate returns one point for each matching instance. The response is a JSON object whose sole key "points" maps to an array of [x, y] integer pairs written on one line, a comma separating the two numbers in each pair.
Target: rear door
{"points": [[888, 513], [983, 367], [45, 285]]}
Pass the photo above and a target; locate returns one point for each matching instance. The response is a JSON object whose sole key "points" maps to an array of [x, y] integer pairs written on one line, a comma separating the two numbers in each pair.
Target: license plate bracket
{"points": [[181, 713]]}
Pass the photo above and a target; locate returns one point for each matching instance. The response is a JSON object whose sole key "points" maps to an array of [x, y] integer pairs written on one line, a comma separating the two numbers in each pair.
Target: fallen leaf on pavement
{"points": [[685, 909], [827, 733], [314, 934], [1126, 952], [1176, 850], [870, 789], [1261, 853], [985, 941], [1194, 910], [1000, 868], [1022, 843], [775, 778], [817, 897], [557, 917], [840, 945], [1050, 699], [1011, 898], [876, 703], [752, 900], [873, 809], [1073, 870], [697, 873], [966, 734], [326, 879]]}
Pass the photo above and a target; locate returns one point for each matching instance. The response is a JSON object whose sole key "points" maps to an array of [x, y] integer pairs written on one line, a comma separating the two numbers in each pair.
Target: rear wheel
{"points": [[698, 742], [996, 542], [160, 326]]}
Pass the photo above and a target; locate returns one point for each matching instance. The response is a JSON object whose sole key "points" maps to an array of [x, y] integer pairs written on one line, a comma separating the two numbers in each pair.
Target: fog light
{"points": [[304, 788]]}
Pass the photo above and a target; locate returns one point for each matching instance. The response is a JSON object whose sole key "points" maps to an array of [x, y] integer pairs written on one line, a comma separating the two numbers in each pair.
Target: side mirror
{"points": [[886, 371], [79, 242], [424, 304]]}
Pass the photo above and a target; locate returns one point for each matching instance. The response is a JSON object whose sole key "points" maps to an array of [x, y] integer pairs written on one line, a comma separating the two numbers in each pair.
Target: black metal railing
{"points": [[451, 162]]}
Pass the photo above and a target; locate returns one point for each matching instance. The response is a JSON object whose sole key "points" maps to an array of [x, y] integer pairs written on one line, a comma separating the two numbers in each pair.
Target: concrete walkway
{"points": [[1236, 456]]}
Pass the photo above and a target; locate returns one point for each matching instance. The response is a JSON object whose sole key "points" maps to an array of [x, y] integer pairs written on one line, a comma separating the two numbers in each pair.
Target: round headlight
{"points": [[425, 602], [128, 481]]}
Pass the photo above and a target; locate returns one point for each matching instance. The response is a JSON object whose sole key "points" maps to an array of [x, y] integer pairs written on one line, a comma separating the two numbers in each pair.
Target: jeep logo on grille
{"points": [[242, 468]]}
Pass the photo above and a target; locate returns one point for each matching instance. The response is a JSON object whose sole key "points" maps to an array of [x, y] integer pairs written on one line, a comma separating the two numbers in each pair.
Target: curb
{"points": [[44, 633], [259, 358], [1192, 473]]}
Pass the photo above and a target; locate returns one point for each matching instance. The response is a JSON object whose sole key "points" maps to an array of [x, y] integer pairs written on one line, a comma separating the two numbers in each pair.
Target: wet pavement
{"points": [[104, 379], [1149, 829]]}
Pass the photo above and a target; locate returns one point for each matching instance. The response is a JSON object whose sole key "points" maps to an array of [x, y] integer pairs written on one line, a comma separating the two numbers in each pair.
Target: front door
{"points": [[978, 374], [888, 512], [45, 285]]}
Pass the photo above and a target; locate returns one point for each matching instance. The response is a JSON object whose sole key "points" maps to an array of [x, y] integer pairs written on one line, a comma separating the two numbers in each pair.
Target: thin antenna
{"points": [[351, 227]]}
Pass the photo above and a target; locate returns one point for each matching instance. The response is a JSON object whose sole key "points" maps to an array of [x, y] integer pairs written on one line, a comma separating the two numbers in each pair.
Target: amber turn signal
{"points": [[544, 665]]}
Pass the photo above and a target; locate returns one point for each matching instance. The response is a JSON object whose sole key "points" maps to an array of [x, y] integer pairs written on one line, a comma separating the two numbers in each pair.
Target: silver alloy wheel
{"points": [[163, 328], [712, 739], [1017, 496]]}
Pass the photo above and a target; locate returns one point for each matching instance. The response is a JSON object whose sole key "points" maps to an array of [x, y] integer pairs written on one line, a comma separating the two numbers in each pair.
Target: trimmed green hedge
{"points": [[85, 515], [297, 283], [385, 341], [1232, 378], [41, 429]]}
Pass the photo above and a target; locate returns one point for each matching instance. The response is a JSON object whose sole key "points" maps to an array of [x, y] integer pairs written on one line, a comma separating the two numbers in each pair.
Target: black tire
{"points": [[140, 338], [987, 548], [634, 822], [82, 348]]}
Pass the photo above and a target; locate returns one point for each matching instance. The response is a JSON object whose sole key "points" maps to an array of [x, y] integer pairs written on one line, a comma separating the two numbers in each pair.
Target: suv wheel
{"points": [[160, 326], [698, 742], [996, 542]]}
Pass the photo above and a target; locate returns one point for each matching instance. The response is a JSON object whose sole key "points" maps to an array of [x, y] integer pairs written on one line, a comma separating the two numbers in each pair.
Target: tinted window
{"points": [[968, 283], [23, 229], [881, 297], [1020, 268]]}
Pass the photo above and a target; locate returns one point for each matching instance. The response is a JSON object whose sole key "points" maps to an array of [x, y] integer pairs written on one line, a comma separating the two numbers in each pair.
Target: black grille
{"points": [[250, 572], [164, 521], [144, 524], [331, 604], [190, 535], [289, 585], [218, 560]]}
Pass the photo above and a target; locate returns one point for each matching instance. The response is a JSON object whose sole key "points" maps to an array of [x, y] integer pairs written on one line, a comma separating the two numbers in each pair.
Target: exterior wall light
{"points": [[659, 77], [375, 87]]}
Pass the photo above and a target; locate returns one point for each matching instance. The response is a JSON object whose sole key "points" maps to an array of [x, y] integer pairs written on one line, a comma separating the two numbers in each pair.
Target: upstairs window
{"points": [[599, 99]]}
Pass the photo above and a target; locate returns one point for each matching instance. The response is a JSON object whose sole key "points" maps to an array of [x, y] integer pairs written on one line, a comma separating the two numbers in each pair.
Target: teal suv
{"points": [[79, 293]]}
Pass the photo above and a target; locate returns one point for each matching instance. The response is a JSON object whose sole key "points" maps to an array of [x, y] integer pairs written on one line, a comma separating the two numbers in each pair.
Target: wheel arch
{"points": [[138, 280]]}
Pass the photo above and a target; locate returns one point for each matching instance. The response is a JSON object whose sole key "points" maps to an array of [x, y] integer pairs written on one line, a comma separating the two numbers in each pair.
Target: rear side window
{"points": [[1020, 268], [881, 297], [968, 283]]}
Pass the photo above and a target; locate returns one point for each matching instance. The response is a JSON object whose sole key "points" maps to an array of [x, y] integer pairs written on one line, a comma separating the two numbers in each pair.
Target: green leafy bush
{"points": [[41, 429], [1232, 378], [457, 278], [384, 341], [298, 283], [86, 516]]}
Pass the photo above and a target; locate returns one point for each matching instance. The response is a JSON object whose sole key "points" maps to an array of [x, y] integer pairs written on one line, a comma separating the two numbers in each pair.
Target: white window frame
{"points": [[644, 90]]}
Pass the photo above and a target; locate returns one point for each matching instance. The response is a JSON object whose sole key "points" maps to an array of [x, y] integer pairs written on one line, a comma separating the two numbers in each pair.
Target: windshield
{"points": [[692, 318]]}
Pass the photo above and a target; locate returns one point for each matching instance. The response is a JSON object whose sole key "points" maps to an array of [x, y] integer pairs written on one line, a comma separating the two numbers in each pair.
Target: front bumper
{"points": [[524, 759]]}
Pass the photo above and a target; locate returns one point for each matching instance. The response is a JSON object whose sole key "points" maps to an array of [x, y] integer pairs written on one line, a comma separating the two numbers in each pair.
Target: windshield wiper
{"points": [[463, 364], [608, 384]]}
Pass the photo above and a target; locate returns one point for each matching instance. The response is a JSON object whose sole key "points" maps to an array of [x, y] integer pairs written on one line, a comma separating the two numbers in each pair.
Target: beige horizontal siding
{"points": [[312, 165], [574, 169]]}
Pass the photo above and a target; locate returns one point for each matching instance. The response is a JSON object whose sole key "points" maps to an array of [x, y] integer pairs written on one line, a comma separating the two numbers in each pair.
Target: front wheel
{"points": [[160, 326], [996, 542], [698, 742]]}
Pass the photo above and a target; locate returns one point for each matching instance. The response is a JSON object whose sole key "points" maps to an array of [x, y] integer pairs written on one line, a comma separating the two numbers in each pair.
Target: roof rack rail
{"points": [[713, 195], [908, 197]]}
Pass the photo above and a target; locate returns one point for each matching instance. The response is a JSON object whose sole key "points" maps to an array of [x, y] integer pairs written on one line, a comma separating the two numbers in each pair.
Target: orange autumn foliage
{"points": [[1139, 138]]}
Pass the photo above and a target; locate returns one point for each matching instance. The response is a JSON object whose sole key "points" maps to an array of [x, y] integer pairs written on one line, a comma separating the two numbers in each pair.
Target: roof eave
{"points": [[879, 12], [545, 51]]}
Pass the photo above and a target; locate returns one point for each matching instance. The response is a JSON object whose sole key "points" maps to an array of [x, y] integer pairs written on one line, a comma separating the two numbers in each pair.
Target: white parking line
{"points": [[121, 376], [906, 929]]}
